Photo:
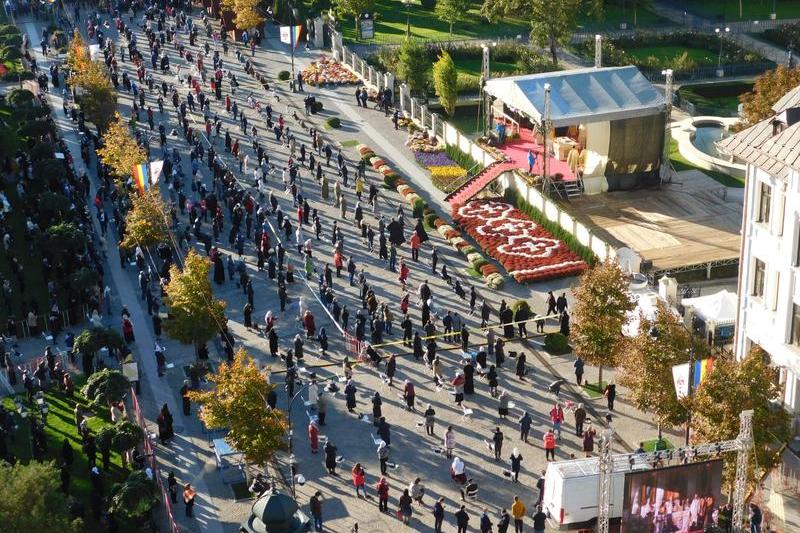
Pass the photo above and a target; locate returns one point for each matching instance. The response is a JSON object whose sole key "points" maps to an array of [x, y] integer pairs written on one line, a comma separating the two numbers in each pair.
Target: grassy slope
{"points": [[390, 24], [702, 56], [60, 424], [615, 15], [680, 163]]}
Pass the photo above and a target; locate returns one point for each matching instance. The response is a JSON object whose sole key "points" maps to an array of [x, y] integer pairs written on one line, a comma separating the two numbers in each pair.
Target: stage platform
{"points": [[690, 224], [517, 151]]}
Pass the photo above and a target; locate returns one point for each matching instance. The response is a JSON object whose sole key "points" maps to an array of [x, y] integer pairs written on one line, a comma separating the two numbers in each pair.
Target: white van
{"points": [[571, 490]]}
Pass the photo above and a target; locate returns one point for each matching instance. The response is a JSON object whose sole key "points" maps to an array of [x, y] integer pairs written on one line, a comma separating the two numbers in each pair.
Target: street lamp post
{"points": [[292, 460], [691, 393], [292, 38], [720, 34], [408, 18]]}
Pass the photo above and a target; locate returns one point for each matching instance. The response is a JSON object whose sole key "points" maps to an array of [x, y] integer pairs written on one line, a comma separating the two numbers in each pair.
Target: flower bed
{"points": [[392, 180], [527, 251], [444, 171], [422, 142], [328, 70]]}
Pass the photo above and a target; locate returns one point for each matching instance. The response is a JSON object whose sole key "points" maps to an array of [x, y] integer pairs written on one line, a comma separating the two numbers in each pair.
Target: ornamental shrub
{"points": [[419, 205], [334, 123], [431, 218], [317, 106], [556, 344], [284, 75], [390, 180]]}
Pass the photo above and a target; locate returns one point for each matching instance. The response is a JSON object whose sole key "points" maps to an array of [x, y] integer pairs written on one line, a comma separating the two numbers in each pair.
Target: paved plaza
{"points": [[414, 453]]}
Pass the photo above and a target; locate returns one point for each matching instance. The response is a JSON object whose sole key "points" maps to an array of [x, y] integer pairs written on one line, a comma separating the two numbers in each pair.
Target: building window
{"points": [[764, 201], [796, 324], [759, 278]]}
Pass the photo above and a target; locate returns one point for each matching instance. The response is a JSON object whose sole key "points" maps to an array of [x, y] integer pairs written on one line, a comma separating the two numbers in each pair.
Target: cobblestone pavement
{"points": [[191, 456]]}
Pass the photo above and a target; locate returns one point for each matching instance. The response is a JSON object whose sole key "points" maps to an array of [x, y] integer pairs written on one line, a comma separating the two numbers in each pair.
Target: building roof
{"points": [[775, 154], [581, 95], [788, 100]]}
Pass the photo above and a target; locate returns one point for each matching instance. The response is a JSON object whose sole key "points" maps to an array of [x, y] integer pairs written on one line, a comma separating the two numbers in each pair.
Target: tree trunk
{"points": [[600, 378], [635, 12], [451, 29], [358, 30], [553, 51]]}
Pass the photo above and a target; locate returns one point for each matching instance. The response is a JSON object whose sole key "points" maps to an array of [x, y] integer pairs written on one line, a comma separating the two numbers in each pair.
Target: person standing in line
{"points": [[525, 427], [382, 488], [404, 507], [550, 445], [486, 522], [505, 521], [540, 488], [539, 520], [315, 505], [580, 418], [438, 515], [358, 479], [588, 440], [449, 442], [755, 518], [462, 519], [578, 365], [383, 456], [185, 398], [172, 486], [516, 464], [497, 443], [188, 498], [610, 393], [518, 512], [330, 458], [430, 419]]}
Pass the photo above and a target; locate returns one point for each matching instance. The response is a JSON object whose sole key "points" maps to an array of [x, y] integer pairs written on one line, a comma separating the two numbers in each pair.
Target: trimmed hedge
{"points": [[463, 159], [584, 252], [430, 219], [419, 206], [333, 122], [284, 75], [556, 344]]}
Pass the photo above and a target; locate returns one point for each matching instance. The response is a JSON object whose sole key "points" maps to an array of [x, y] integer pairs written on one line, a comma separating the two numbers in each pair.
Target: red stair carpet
{"points": [[463, 194]]}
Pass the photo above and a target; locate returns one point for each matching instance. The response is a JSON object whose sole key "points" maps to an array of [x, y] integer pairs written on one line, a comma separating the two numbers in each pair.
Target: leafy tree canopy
{"points": [[147, 223], [120, 151], [445, 82], [239, 402], [135, 497], [31, 498], [412, 65], [768, 89], [106, 386]]}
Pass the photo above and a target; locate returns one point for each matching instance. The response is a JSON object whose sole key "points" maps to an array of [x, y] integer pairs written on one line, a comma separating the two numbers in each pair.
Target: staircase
{"points": [[572, 188], [472, 187]]}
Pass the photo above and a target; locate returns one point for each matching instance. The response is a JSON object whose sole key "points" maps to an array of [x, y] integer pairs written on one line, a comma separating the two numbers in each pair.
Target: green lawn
{"points": [[650, 445], [615, 15], [751, 9], [681, 163], [390, 25], [703, 57], [594, 390], [60, 425], [472, 66]]}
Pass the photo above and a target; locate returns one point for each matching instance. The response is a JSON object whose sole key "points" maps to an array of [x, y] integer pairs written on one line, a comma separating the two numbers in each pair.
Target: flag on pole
{"points": [[140, 177], [156, 167], [680, 376], [291, 35], [702, 369]]}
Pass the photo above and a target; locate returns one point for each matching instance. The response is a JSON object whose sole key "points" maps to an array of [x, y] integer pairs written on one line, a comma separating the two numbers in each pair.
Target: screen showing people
{"points": [[678, 499]]}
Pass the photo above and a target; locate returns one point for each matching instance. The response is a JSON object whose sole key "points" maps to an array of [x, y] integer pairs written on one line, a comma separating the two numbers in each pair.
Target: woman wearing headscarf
{"points": [[516, 464], [350, 395], [377, 413], [330, 458], [323, 341], [313, 436]]}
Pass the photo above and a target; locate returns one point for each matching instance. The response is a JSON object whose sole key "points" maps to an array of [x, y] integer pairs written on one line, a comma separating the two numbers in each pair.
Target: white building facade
{"points": [[769, 273]]}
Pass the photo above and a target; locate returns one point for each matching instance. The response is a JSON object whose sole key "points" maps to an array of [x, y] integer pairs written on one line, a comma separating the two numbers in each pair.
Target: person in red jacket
{"points": [[313, 436], [557, 418], [550, 445], [415, 242], [409, 394], [338, 262], [404, 272], [358, 479], [308, 322], [383, 495]]}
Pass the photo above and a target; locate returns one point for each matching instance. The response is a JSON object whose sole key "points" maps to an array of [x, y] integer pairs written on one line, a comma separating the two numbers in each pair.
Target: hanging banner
{"points": [[140, 177], [680, 376], [291, 35], [156, 167], [94, 51]]}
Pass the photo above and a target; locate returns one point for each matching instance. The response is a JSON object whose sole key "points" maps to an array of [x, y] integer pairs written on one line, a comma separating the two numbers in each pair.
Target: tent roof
{"points": [[719, 307], [581, 95]]}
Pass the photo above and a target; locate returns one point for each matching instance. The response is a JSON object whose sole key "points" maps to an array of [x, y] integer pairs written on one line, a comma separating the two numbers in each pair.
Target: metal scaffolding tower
{"points": [[610, 463]]}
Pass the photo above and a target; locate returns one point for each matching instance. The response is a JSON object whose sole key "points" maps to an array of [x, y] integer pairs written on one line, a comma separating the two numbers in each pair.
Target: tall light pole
{"points": [[720, 34], [666, 168], [598, 51], [408, 18], [546, 132], [292, 43]]}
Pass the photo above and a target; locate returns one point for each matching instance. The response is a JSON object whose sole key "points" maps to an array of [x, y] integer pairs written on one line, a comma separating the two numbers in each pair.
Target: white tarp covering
{"points": [[581, 96], [719, 307]]}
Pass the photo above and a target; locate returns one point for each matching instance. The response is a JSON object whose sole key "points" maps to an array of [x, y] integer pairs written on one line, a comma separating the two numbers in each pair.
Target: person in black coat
{"points": [[248, 315], [67, 454], [505, 521], [420, 229], [350, 396], [391, 368], [418, 352], [272, 336], [376, 408], [383, 431], [330, 458], [610, 392], [506, 318], [438, 515], [499, 352], [469, 379], [65, 478], [462, 520], [564, 324], [520, 370]]}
